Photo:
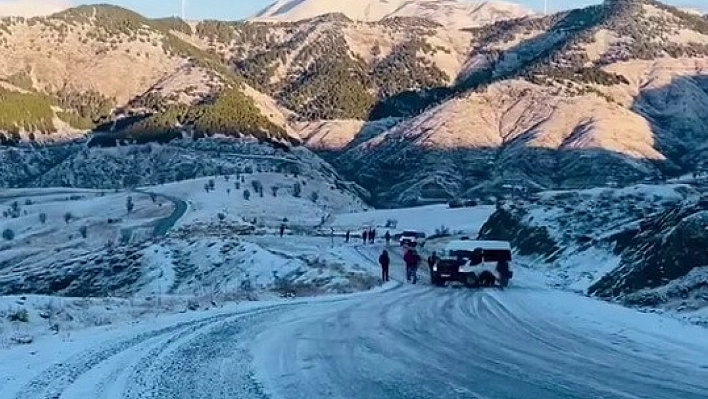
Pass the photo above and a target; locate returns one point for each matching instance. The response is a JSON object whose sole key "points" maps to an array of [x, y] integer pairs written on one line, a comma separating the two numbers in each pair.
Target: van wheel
{"points": [[470, 280]]}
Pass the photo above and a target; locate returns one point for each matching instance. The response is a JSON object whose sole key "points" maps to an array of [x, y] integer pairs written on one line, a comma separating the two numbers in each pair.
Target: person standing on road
{"points": [[364, 236], [504, 273], [388, 238], [346, 237], [372, 236], [282, 230], [384, 261], [432, 259], [412, 260]]}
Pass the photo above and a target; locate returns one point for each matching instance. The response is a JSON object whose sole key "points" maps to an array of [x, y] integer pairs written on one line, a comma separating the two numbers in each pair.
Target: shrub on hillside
{"points": [[19, 316], [8, 235]]}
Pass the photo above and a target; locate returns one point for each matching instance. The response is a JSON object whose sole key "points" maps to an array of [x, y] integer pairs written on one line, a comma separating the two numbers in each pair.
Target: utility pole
{"points": [[545, 7], [184, 10]]}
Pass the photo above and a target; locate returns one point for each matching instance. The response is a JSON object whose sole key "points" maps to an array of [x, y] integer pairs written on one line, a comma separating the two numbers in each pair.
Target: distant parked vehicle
{"points": [[455, 204], [474, 263], [412, 239]]}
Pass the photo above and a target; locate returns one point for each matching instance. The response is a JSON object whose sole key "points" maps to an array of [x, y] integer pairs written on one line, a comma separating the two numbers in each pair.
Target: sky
{"points": [[239, 9]]}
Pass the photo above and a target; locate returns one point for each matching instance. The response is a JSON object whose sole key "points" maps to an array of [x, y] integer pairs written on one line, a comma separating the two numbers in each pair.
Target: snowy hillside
{"points": [[268, 198], [450, 13], [40, 221], [143, 165], [167, 248], [637, 245]]}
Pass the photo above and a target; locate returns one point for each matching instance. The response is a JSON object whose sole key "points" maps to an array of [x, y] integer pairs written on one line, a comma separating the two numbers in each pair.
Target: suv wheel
{"points": [[470, 280]]}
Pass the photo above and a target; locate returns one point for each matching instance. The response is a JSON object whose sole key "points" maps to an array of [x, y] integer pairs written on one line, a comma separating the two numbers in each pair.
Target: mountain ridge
{"points": [[454, 14], [78, 64]]}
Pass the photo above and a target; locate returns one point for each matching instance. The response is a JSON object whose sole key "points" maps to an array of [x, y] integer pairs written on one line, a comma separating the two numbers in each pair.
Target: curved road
{"points": [[164, 225], [399, 342]]}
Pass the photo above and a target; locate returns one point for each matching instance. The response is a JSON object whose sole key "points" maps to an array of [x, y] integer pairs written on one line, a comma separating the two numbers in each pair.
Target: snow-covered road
{"points": [[422, 342], [401, 341]]}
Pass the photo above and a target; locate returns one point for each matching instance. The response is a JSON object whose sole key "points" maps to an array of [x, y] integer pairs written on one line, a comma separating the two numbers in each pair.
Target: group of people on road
{"points": [[411, 258], [368, 237]]}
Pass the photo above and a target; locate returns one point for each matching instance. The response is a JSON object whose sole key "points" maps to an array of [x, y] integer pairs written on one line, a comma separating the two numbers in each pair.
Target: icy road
{"points": [[401, 341]]}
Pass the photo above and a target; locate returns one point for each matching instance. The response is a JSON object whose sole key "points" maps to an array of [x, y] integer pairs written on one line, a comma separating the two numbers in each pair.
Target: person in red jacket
{"points": [[412, 260]]}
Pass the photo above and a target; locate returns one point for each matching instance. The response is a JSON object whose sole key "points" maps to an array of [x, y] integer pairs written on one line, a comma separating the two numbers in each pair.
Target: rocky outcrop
{"points": [[668, 247], [527, 240]]}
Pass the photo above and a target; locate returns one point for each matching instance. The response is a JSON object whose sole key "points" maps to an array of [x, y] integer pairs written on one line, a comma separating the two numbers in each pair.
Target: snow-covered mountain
{"points": [[449, 13], [578, 99]]}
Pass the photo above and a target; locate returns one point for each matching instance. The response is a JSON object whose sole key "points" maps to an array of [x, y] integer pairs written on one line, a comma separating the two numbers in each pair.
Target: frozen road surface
{"points": [[402, 341]]}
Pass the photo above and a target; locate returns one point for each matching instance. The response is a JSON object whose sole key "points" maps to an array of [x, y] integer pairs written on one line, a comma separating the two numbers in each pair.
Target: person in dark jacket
{"points": [[385, 262], [372, 236], [365, 236], [388, 238], [432, 259], [346, 237], [504, 273], [282, 230], [412, 260]]}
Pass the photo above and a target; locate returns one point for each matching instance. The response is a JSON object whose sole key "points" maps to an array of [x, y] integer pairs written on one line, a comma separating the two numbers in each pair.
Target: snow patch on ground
{"points": [[427, 219]]}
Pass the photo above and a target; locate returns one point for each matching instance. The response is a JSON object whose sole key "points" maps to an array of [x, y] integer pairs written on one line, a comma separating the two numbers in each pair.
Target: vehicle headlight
{"points": [[435, 268]]}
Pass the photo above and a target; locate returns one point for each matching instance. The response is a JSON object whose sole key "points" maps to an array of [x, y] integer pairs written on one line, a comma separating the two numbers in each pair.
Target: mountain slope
{"points": [[453, 14], [331, 67], [79, 67], [614, 93]]}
